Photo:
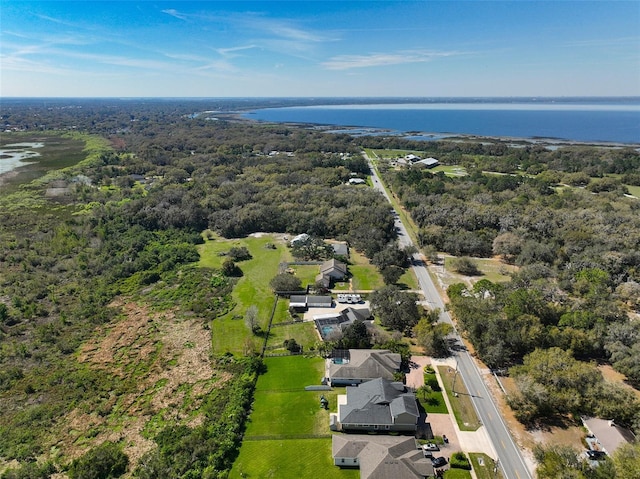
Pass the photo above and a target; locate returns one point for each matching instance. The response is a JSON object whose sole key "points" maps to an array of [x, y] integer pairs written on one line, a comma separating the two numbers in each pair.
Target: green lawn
{"points": [[365, 276], [433, 403], [229, 332], [282, 408], [288, 433], [282, 311], [408, 280], [306, 273], [486, 471], [634, 190], [461, 404], [457, 474], [494, 270], [304, 334], [288, 459]]}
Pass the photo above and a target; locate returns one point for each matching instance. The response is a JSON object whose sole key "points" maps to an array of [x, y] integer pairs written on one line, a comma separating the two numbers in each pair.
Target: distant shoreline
{"points": [[446, 136]]}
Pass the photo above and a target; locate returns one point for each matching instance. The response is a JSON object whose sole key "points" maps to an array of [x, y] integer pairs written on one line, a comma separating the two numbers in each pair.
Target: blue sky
{"points": [[319, 48]]}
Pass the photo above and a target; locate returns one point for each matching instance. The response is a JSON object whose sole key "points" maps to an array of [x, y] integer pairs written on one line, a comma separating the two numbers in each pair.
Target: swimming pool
{"points": [[327, 330]]}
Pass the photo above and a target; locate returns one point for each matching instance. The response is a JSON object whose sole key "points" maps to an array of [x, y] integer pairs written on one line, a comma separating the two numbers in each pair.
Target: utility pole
{"points": [[455, 375], [496, 463]]}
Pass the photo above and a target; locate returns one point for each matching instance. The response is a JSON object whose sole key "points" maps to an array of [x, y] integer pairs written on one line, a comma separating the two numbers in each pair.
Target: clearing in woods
{"points": [[163, 360]]}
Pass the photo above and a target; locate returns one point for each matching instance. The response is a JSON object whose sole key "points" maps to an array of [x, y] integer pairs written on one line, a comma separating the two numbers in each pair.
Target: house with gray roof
{"points": [[303, 303], [378, 405], [328, 325], [340, 249], [381, 456], [332, 270], [361, 365]]}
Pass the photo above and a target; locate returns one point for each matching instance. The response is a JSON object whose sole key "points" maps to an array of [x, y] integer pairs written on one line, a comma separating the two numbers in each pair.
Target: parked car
{"points": [[595, 455], [430, 447], [438, 461]]}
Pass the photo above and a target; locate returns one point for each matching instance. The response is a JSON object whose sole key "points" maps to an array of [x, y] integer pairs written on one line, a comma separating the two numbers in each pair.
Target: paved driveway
{"points": [[440, 424]]}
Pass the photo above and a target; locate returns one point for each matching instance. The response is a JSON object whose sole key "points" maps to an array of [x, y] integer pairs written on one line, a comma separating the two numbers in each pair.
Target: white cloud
{"points": [[282, 30], [175, 13], [346, 62], [231, 52]]}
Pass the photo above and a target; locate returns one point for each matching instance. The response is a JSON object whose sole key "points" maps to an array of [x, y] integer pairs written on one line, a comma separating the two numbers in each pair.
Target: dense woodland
{"points": [[577, 246], [136, 207], [65, 259]]}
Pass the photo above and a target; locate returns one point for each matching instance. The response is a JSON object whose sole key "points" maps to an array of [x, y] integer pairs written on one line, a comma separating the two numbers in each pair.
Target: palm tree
{"points": [[425, 389]]}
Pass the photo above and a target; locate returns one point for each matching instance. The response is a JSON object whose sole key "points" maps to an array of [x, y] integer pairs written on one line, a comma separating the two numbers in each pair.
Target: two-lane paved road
{"points": [[509, 455]]}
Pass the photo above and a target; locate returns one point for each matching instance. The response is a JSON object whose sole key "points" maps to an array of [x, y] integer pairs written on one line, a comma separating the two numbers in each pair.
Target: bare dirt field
{"points": [[168, 360]]}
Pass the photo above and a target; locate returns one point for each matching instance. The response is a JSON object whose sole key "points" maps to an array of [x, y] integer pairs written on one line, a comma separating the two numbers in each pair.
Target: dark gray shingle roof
{"points": [[378, 401], [367, 364]]}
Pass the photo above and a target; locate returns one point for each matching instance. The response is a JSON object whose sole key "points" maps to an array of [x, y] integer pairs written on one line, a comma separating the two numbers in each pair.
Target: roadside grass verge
{"points": [[408, 280], [461, 404], [229, 331], [486, 470], [288, 433]]}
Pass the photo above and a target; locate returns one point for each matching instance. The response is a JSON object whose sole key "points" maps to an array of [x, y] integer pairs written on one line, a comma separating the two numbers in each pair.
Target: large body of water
{"points": [[616, 121]]}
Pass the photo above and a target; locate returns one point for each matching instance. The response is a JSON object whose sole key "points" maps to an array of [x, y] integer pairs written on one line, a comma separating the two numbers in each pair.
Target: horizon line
{"points": [[392, 97]]}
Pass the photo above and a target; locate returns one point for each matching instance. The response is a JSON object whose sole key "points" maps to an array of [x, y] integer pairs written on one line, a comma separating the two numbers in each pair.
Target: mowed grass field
{"points": [[304, 333], [288, 433], [282, 408], [288, 459], [364, 276], [229, 332]]}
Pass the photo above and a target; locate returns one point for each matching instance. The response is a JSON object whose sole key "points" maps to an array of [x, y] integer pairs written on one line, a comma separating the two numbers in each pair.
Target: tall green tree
{"points": [[431, 337], [395, 308], [285, 282], [355, 336]]}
